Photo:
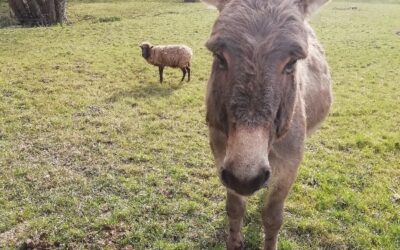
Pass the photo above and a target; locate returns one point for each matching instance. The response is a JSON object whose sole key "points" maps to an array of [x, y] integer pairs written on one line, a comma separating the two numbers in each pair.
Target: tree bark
{"points": [[35, 13], [60, 10], [38, 12]]}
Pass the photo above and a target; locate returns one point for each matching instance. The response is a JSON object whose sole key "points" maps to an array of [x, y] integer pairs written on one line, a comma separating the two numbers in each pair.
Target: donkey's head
{"points": [[253, 86]]}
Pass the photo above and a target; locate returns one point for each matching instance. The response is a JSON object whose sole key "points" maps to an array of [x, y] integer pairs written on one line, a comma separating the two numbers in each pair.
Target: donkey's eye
{"points": [[220, 61], [289, 68]]}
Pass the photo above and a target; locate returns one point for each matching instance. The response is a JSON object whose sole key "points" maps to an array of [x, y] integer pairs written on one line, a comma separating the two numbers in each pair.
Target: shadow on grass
{"points": [[144, 91]]}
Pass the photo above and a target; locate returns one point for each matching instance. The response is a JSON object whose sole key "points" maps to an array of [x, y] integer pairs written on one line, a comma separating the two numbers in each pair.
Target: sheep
{"points": [[174, 56]]}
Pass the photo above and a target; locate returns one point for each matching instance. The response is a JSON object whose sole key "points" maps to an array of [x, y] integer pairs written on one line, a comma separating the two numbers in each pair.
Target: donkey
{"points": [[269, 88]]}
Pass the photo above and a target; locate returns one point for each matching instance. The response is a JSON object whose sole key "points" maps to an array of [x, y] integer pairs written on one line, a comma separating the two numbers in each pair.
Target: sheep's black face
{"points": [[145, 51]]}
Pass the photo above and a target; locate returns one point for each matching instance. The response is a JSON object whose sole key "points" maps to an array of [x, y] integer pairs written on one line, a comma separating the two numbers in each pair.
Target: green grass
{"points": [[95, 153], [370, 1]]}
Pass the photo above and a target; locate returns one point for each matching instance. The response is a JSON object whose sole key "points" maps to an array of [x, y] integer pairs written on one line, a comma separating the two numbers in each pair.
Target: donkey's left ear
{"points": [[309, 7]]}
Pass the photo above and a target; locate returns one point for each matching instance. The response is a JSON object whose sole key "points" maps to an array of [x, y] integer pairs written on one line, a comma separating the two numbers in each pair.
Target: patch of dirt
{"points": [[312, 182], [90, 111], [109, 235], [396, 198], [11, 236], [38, 243]]}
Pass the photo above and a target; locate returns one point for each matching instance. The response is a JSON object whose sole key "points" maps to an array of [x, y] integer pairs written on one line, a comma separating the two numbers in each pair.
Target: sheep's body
{"points": [[174, 56]]}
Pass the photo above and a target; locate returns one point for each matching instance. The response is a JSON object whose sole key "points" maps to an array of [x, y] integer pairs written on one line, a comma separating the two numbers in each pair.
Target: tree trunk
{"points": [[38, 12]]}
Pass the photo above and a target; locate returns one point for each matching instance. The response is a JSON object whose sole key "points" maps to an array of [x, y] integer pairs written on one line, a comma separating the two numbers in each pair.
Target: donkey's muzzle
{"points": [[245, 187]]}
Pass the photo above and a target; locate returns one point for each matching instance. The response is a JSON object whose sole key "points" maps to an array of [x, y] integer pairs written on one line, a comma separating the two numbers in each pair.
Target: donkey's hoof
{"points": [[234, 243]]}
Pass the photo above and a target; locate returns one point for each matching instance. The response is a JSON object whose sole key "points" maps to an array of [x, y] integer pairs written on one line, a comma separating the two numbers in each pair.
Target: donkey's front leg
{"points": [[272, 213], [235, 208], [272, 218]]}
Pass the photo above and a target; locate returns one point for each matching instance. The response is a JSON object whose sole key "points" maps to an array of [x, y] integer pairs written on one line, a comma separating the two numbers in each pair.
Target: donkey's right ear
{"points": [[219, 4], [309, 7]]}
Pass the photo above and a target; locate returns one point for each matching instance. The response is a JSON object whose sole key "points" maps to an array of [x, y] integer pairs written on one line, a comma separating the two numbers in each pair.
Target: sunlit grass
{"points": [[95, 153]]}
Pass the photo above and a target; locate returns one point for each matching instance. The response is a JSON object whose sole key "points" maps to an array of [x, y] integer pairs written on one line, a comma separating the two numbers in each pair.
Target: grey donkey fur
{"points": [[270, 87]]}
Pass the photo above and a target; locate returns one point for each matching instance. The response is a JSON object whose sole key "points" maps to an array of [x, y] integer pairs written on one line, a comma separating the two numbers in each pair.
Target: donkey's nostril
{"points": [[245, 187], [224, 174], [227, 177], [262, 178]]}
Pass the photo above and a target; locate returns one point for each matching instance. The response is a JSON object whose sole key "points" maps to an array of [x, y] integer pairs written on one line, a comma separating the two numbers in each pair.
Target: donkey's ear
{"points": [[309, 7], [219, 4]]}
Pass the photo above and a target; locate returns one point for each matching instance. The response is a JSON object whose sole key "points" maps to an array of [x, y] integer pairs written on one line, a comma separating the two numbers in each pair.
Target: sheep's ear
{"points": [[219, 4], [151, 46], [309, 7]]}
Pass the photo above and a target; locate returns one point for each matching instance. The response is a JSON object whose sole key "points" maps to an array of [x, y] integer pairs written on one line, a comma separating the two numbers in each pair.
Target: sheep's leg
{"points": [[184, 73], [188, 70], [235, 208], [160, 70]]}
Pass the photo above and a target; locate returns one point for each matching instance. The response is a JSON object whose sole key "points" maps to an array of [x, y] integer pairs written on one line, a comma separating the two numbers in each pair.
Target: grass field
{"points": [[96, 154]]}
